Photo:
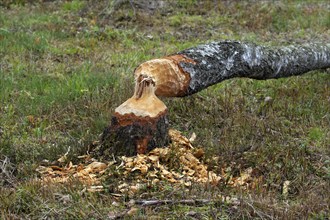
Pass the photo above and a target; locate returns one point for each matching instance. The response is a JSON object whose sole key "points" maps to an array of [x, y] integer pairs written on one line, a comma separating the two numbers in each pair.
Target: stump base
{"points": [[138, 125], [129, 135]]}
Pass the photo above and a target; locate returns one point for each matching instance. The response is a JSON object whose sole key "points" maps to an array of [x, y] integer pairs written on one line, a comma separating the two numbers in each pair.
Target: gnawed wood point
{"points": [[169, 77], [138, 125]]}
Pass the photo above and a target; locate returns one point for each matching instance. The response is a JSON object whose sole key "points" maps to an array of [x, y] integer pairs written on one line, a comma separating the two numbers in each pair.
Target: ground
{"points": [[66, 65]]}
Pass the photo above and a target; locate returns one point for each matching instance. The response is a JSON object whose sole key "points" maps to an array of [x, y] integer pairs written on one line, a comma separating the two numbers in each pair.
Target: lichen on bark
{"points": [[218, 61]]}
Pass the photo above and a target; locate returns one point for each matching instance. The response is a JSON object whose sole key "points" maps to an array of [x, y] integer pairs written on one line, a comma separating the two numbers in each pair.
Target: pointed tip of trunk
{"points": [[170, 79], [138, 125]]}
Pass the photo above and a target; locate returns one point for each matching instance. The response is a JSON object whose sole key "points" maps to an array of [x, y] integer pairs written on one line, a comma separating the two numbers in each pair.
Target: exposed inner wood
{"points": [[144, 102], [170, 79], [138, 125]]}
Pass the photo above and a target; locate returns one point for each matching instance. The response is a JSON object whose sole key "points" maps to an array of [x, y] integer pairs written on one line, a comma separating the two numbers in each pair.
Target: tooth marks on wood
{"points": [[138, 125]]}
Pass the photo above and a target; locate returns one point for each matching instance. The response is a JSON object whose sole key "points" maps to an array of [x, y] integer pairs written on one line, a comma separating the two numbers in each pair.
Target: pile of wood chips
{"points": [[178, 164]]}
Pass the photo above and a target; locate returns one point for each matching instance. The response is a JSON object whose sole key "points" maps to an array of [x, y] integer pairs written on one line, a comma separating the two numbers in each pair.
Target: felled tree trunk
{"points": [[140, 124], [195, 69]]}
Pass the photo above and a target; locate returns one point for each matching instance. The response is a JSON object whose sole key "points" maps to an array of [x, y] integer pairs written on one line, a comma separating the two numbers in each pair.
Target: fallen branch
{"points": [[147, 203], [191, 202]]}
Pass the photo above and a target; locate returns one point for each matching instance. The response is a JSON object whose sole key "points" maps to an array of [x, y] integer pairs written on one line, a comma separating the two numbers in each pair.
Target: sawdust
{"points": [[179, 164]]}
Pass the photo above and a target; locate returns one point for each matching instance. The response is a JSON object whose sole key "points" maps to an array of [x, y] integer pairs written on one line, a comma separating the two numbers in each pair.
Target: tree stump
{"points": [[138, 125]]}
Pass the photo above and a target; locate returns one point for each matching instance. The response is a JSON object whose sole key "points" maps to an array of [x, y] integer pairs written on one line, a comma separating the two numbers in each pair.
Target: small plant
{"points": [[316, 134], [73, 6]]}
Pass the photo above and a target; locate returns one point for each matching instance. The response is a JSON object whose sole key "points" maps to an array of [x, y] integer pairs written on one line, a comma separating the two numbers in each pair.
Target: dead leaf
{"points": [[31, 120], [133, 211], [199, 153]]}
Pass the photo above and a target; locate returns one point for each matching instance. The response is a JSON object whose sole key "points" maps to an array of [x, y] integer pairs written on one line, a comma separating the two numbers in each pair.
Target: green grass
{"points": [[66, 65]]}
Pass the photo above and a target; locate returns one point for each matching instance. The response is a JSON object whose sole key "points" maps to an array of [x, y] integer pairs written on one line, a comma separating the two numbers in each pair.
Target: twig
{"points": [[156, 202], [97, 212], [193, 202], [7, 170], [120, 215], [260, 214]]}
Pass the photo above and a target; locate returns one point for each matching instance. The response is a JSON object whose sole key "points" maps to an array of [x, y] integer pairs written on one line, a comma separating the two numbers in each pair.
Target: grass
{"points": [[66, 65]]}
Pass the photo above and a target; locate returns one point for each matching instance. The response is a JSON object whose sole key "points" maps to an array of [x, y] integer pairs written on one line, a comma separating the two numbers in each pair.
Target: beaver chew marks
{"points": [[138, 125], [169, 77]]}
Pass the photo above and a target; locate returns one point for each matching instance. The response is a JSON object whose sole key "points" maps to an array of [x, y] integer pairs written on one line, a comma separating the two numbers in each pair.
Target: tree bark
{"points": [[141, 124], [138, 125], [195, 69]]}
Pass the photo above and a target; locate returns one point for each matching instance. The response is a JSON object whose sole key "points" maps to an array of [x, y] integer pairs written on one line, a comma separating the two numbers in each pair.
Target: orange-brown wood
{"points": [[139, 124], [170, 79]]}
